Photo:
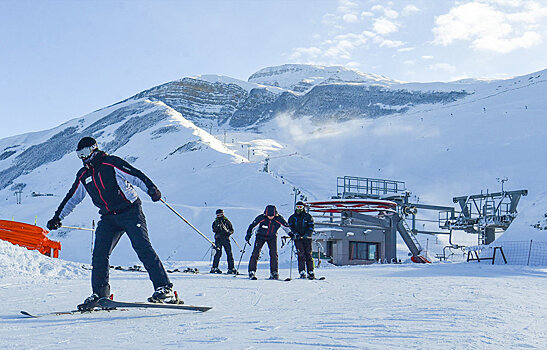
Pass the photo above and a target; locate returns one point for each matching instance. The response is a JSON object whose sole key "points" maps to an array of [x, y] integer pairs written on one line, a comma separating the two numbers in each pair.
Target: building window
{"points": [[330, 248], [363, 251]]}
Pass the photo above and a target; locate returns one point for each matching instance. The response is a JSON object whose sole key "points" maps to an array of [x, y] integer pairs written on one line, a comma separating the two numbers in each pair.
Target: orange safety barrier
{"points": [[29, 236]]}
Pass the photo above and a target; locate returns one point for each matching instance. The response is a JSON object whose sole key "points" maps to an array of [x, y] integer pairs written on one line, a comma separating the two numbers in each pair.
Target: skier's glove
{"points": [[154, 193], [54, 223], [292, 235], [248, 238]]}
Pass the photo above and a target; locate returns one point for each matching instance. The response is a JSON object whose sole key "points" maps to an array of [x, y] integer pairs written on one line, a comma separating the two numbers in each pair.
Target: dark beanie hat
{"points": [[270, 210], [220, 211], [86, 142]]}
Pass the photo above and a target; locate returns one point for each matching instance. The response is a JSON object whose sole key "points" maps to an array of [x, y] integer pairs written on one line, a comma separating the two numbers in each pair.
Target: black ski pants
{"points": [[303, 251], [109, 231], [223, 242], [272, 246]]}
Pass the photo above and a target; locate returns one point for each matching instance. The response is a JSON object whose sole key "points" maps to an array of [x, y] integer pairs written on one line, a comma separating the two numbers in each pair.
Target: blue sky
{"points": [[62, 59]]}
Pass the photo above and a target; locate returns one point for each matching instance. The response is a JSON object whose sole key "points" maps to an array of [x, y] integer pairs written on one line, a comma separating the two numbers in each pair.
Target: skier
{"points": [[268, 224], [302, 226], [222, 227], [109, 181]]}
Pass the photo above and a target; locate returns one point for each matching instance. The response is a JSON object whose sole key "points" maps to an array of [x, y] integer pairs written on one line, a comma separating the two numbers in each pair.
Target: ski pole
{"points": [[241, 257], [292, 252], [233, 239], [186, 221], [78, 228]]}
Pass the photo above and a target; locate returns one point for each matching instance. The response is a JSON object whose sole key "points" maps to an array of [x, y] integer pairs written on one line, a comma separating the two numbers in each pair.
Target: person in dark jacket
{"points": [[222, 227], [110, 181], [268, 224], [302, 226]]}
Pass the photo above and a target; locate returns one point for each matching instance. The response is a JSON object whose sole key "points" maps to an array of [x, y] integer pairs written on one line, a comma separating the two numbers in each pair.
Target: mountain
{"points": [[330, 93], [213, 142]]}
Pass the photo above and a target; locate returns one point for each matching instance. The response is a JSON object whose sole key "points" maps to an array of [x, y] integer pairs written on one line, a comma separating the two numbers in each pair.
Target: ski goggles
{"points": [[299, 207], [86, 152]]}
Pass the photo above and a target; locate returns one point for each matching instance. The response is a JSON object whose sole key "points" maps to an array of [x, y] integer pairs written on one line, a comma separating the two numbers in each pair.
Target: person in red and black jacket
{"points": [[268, 224], [109, 181]]}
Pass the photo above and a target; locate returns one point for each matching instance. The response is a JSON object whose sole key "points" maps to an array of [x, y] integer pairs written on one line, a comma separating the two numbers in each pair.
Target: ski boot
{"points": [[274, 276], [165, 295], [311, 275], [215, 270], [303, 274], [252, 275], [232, 271], [90, 303]]}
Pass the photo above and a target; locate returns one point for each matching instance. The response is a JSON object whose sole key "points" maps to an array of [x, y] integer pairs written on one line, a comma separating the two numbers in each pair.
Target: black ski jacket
{"points": [[222, 227], [302, 225], [109, 181], [267, 228]]}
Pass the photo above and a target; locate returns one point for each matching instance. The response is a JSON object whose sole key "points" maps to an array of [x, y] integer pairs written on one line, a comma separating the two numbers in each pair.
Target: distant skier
{"points": [[109, 181], [302, 227], [222, 227], [268, 224]]}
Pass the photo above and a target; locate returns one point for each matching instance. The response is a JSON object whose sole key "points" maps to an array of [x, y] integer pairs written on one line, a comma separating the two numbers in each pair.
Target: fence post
{"points": [[529, 252]]}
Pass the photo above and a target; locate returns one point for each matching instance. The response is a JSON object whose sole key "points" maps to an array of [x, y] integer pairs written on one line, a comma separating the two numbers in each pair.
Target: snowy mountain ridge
{"points": [[204, 141]]}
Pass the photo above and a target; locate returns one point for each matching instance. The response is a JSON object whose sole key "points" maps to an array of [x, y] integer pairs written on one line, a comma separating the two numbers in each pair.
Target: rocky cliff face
{"points": [[321, 93]]}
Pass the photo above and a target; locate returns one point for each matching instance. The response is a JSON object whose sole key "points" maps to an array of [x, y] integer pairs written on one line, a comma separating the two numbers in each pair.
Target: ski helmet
{"points": [[220, 212], [270, 210], [86, 147]]}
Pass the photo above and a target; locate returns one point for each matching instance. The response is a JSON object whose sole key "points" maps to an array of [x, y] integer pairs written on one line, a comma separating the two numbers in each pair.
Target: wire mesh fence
{"points": [[531, 252]]}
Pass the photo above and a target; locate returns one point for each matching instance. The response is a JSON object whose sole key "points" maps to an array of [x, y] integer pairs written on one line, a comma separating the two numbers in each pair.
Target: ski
{"points": [[304, 279], [71, 312], [105, 302]]}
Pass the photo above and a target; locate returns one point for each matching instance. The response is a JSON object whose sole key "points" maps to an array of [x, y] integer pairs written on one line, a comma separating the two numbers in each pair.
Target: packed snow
{"points": [[455, 306]]}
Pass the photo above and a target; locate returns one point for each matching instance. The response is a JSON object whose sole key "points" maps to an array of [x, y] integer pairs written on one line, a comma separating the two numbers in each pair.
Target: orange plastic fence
{"points": [[29, 236]]}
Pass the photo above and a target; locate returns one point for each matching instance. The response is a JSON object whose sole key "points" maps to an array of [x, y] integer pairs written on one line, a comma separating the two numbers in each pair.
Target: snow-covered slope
{"points": [[443, 140], [301, 78]]}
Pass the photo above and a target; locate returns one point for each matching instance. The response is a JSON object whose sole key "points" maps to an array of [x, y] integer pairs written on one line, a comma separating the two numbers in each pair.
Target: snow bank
{"points": [[531, 222], [17, 261], [525, 241]]}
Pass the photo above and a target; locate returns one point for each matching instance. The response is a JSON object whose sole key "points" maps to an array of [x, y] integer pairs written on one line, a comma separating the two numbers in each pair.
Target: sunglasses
{"points": [[86, 152]]}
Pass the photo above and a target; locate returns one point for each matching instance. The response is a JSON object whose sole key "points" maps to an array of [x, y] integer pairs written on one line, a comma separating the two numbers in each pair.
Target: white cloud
{"points": [[409, 10], [307, 52], [490, 28], [350, 18], [347, 6], [353, 64], [384, 26], [443, 67], [387, 11], [427, 58], [406, 49], [366, 14], [388, 43]]}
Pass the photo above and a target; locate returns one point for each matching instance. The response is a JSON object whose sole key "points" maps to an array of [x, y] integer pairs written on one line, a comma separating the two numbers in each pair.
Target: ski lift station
{"points": [[361, 223]]}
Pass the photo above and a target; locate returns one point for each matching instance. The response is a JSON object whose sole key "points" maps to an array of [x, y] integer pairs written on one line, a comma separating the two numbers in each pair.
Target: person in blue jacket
{"points": [[302, 226]]}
